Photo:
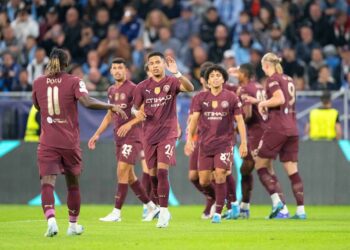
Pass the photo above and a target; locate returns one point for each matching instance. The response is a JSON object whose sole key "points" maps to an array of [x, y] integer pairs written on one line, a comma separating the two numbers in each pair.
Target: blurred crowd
{"points": [[312, 37]]}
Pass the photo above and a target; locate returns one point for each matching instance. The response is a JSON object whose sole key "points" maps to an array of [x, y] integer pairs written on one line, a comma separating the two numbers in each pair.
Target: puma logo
{"points": [[206, 104], [148, 91]]}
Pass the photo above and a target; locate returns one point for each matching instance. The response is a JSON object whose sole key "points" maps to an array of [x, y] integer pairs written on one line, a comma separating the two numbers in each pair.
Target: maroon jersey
{"points": [[123, 96], [253, 89], [231, 87], [57, 98], [216, 120], [283, 117], [159, 99]]}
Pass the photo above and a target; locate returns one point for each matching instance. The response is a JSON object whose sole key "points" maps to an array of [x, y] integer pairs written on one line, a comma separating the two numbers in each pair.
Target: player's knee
{"points": [[48, 179], [204, 182], [193, 176]]}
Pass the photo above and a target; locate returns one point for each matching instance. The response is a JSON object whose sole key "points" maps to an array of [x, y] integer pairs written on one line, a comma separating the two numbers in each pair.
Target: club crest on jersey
{"points": [[116, 97], [157, 90], [224, 104], [214, 104], [122, 96], [166, 88]]}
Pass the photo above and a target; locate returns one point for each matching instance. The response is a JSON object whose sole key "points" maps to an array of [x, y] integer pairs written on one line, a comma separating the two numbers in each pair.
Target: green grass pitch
{"points": [[327, 227]]}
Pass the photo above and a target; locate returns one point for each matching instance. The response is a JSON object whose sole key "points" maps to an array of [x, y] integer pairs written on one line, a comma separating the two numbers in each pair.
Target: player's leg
{"points": [[73, 203], [140, 193], [220, 193], [269, 147], [146, 183], [123, 170], [49, 165], [48, 203], [231, 197], [247, 186]]}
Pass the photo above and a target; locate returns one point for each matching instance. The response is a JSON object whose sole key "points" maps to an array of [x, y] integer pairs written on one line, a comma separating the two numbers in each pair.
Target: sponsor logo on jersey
{"points": [[206, 104], [224, 104], [215, 115], [116, 96], [82, 87], [157, 90], [274, 83], [148, 91], [214, 104], [158, 101], [122, 96]]}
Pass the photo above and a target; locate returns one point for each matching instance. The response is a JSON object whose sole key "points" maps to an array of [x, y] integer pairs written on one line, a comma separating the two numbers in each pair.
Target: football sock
{"points": [[146, 183], [48, 200], [267, 180], [139, 192], [279, 189], [209, 191], [163, 187], [73, 203], [209, 203], [298, 188], [220, 193], [230, 190], [154, 193], [197, 185], [121, 193], [247, 187]]}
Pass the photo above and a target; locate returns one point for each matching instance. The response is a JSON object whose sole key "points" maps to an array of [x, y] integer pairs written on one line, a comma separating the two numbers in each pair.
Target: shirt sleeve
{"points": [[80, 89], [138, 97], [273, 85], [196, 104], [34, 100], [177, 84], [236, 106]]}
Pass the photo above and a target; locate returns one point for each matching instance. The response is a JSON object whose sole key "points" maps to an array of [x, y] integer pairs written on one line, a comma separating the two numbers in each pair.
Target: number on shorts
{"points": [[291, 91], [53, 104], [169, 150], [126, 150]]}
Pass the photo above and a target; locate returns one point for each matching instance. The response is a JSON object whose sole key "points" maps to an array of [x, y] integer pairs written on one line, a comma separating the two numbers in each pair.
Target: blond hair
{"points": [[274, 60], [57, 63]]}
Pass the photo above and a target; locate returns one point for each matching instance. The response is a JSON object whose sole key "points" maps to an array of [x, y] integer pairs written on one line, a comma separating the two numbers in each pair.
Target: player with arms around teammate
{"points": [[56, 94], [251, 93], [214, 112], [129, 147], [158, 94], [280, 135]]}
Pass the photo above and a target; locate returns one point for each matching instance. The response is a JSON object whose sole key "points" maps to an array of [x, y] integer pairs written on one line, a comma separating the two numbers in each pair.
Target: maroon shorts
{"points": [[223, 159], [273, 144], [128, 152], [194, 159], [53, 161], [253, 144], [163, 152]]}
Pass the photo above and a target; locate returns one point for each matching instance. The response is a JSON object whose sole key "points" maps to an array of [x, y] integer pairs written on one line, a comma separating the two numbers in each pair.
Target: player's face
{"points": [[216, 79], [156, 66], [241, 77], [265, 67], [118, 71]]}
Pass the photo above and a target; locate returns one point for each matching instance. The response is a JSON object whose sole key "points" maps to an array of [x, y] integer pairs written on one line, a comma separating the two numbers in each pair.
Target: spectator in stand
{"points": [[187, 50], [263, 24], [306, 44], [294, 67], [28, 51], [51, 18], [229, 11], [38, 10], [255, 59], [317, 61], [321, 28], [12, 8], [23, 84], [200, 7], [24, 25], [171, 8], [90, 10], [9, 71], [209, 23], [331, 7], [115, 9], [63, 6], [154, 21], [95, 81], [9, 41], [94, 61], [114, 45], [276, 41], [243, 46], [220, 44], [200, 56], [55, 37], [4, 20], [144, 7], [72, 31], [282, 15], [333, 61], [345, 64], [186, 25], [101, 23], [341, 29], [87, 42], [166, 41], [292, 28], [243, 24], [76, 70], [325, 80], [131, 26], [37, 66], [254, 6], [229, 61]]}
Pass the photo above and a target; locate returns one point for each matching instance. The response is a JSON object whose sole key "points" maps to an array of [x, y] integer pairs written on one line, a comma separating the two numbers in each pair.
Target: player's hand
{"points": [[119, 111], [189, 147], [123, 130], [250, 99], [171, 64], [140, 115], [92, 142], [243, 150]]}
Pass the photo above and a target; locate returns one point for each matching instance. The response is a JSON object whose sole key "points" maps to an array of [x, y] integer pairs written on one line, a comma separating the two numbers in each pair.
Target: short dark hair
{"points": [[119, 60], [247, 69], [216, 67], [155, 53], [204, 67], [326, 96]]}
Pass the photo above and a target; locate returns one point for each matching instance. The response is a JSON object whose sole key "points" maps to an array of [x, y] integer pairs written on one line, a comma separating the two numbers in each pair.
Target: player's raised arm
{"points": [[103, 126], [243, 134], [186, 85]]}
